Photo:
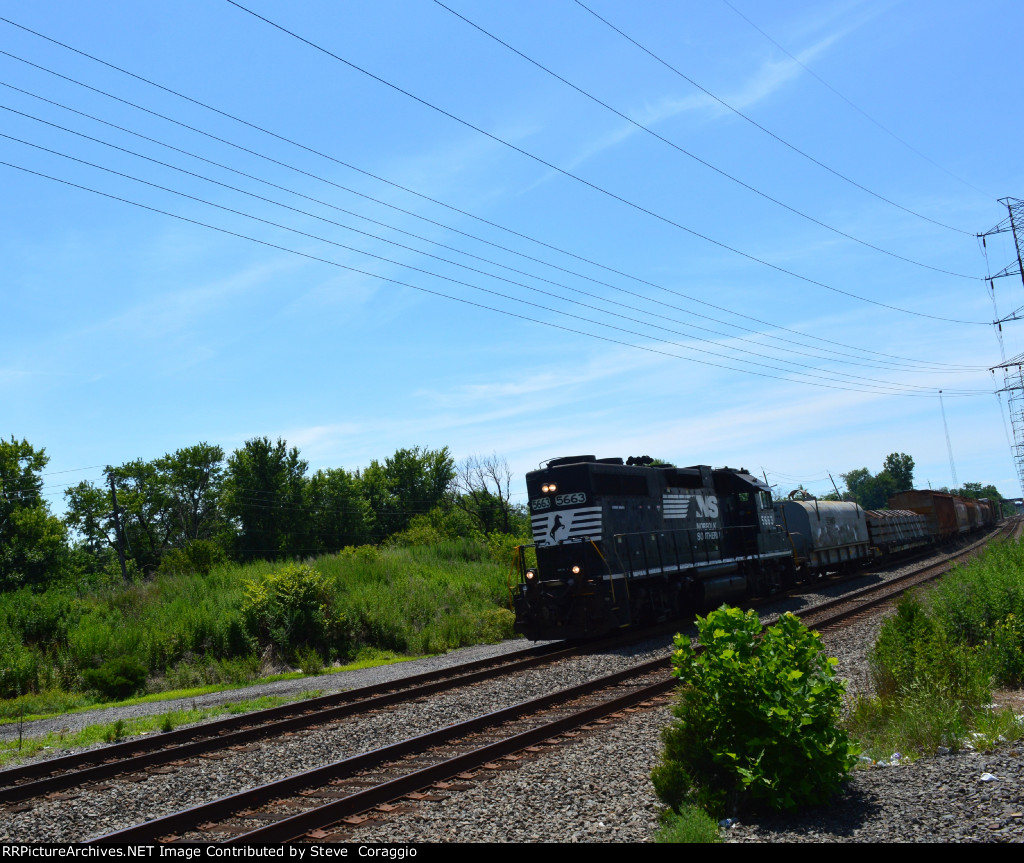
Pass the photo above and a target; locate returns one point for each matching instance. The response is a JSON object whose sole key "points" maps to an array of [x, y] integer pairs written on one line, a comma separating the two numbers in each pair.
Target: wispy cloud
{"points": [[759, 84]]}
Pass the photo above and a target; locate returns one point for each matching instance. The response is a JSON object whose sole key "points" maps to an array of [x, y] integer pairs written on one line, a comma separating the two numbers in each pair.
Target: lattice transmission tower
{"points": [[1013, 369]]}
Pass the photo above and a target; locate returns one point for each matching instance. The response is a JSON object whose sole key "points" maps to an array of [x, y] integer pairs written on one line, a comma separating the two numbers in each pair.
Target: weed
{"points": [[115, 732], [310, 662], [691, 825]]}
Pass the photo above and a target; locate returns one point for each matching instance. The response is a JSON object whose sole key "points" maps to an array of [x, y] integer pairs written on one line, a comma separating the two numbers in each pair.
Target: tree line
{"points": [[196, 507], [872, 491]]}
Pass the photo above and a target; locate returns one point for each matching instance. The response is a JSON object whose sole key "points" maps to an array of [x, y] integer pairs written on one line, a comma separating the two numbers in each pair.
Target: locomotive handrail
{"points": [[696, 553], [611, 581]]}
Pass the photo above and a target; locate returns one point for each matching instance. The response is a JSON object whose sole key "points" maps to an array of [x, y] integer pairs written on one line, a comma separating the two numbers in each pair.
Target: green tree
{"points": [[871, 492], [193, 479], [89, 517], [264, 490], [146, 511], [411, 481], [33, 543], [977, 491], [900, 467], [169, 503], [339, 514]]}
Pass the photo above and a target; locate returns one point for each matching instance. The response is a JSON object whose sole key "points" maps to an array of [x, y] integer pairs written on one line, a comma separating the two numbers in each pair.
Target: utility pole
{"points": [[1013, 374], [117, 525]]}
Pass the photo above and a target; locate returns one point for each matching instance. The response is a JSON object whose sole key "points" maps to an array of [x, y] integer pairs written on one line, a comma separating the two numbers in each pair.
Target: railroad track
{"points": [[326, 803], [146, 753]]}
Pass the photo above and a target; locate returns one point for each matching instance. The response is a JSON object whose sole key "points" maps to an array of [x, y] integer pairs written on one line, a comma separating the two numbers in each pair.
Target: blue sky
{"points": [[603, 290]]}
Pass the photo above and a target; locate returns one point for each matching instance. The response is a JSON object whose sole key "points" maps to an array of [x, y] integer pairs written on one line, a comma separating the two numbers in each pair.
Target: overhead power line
{"points": [[420, 195], [830, 375], [856, 108], [638, 207], [768, 132], [701, 161], [888, 389], [579, 291]]}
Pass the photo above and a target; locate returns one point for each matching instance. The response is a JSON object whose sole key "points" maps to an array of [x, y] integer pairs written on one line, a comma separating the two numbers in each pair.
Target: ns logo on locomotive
{"points": [[632, 543]]}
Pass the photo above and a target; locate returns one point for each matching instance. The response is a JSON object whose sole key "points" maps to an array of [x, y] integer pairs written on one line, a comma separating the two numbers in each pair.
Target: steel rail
{"points": [[227, 807], [133, 755]]}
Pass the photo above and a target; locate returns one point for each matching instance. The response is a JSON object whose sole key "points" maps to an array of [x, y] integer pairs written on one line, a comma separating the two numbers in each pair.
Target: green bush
{"points": [[757, 718], [495, 625], [210, 671], [502, 547], [310, 661], [969, 601], [292, 609], [194, 629], [436, 526], [116, 732], [19, 665], [1007, 651], [116, 678], [363, 554], [928, 685]]}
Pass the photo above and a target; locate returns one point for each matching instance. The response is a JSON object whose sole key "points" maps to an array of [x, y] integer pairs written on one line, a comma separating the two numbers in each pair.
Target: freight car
{"points": [[626, 544], [946, 514]]}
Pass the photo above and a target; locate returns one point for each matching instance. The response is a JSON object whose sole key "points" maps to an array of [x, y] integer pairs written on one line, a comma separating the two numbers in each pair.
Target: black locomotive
{"points": [[630, 544]]}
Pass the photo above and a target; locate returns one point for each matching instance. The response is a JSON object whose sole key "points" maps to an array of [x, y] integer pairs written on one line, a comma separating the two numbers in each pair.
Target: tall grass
{"points": [[982, 604], [189, 629], [937, 660]]}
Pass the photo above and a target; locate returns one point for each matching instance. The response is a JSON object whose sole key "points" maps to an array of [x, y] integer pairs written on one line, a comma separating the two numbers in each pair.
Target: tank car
{"points": [[627, 544]]}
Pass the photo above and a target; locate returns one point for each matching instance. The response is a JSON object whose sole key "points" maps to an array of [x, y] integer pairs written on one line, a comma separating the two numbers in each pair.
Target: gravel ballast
{"points": [[592, 789]]}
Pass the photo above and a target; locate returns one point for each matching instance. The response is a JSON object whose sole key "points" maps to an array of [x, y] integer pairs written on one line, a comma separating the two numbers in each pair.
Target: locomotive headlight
{"points": [[552, 487], [530, 575], [576, 570], [548, 487]]}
